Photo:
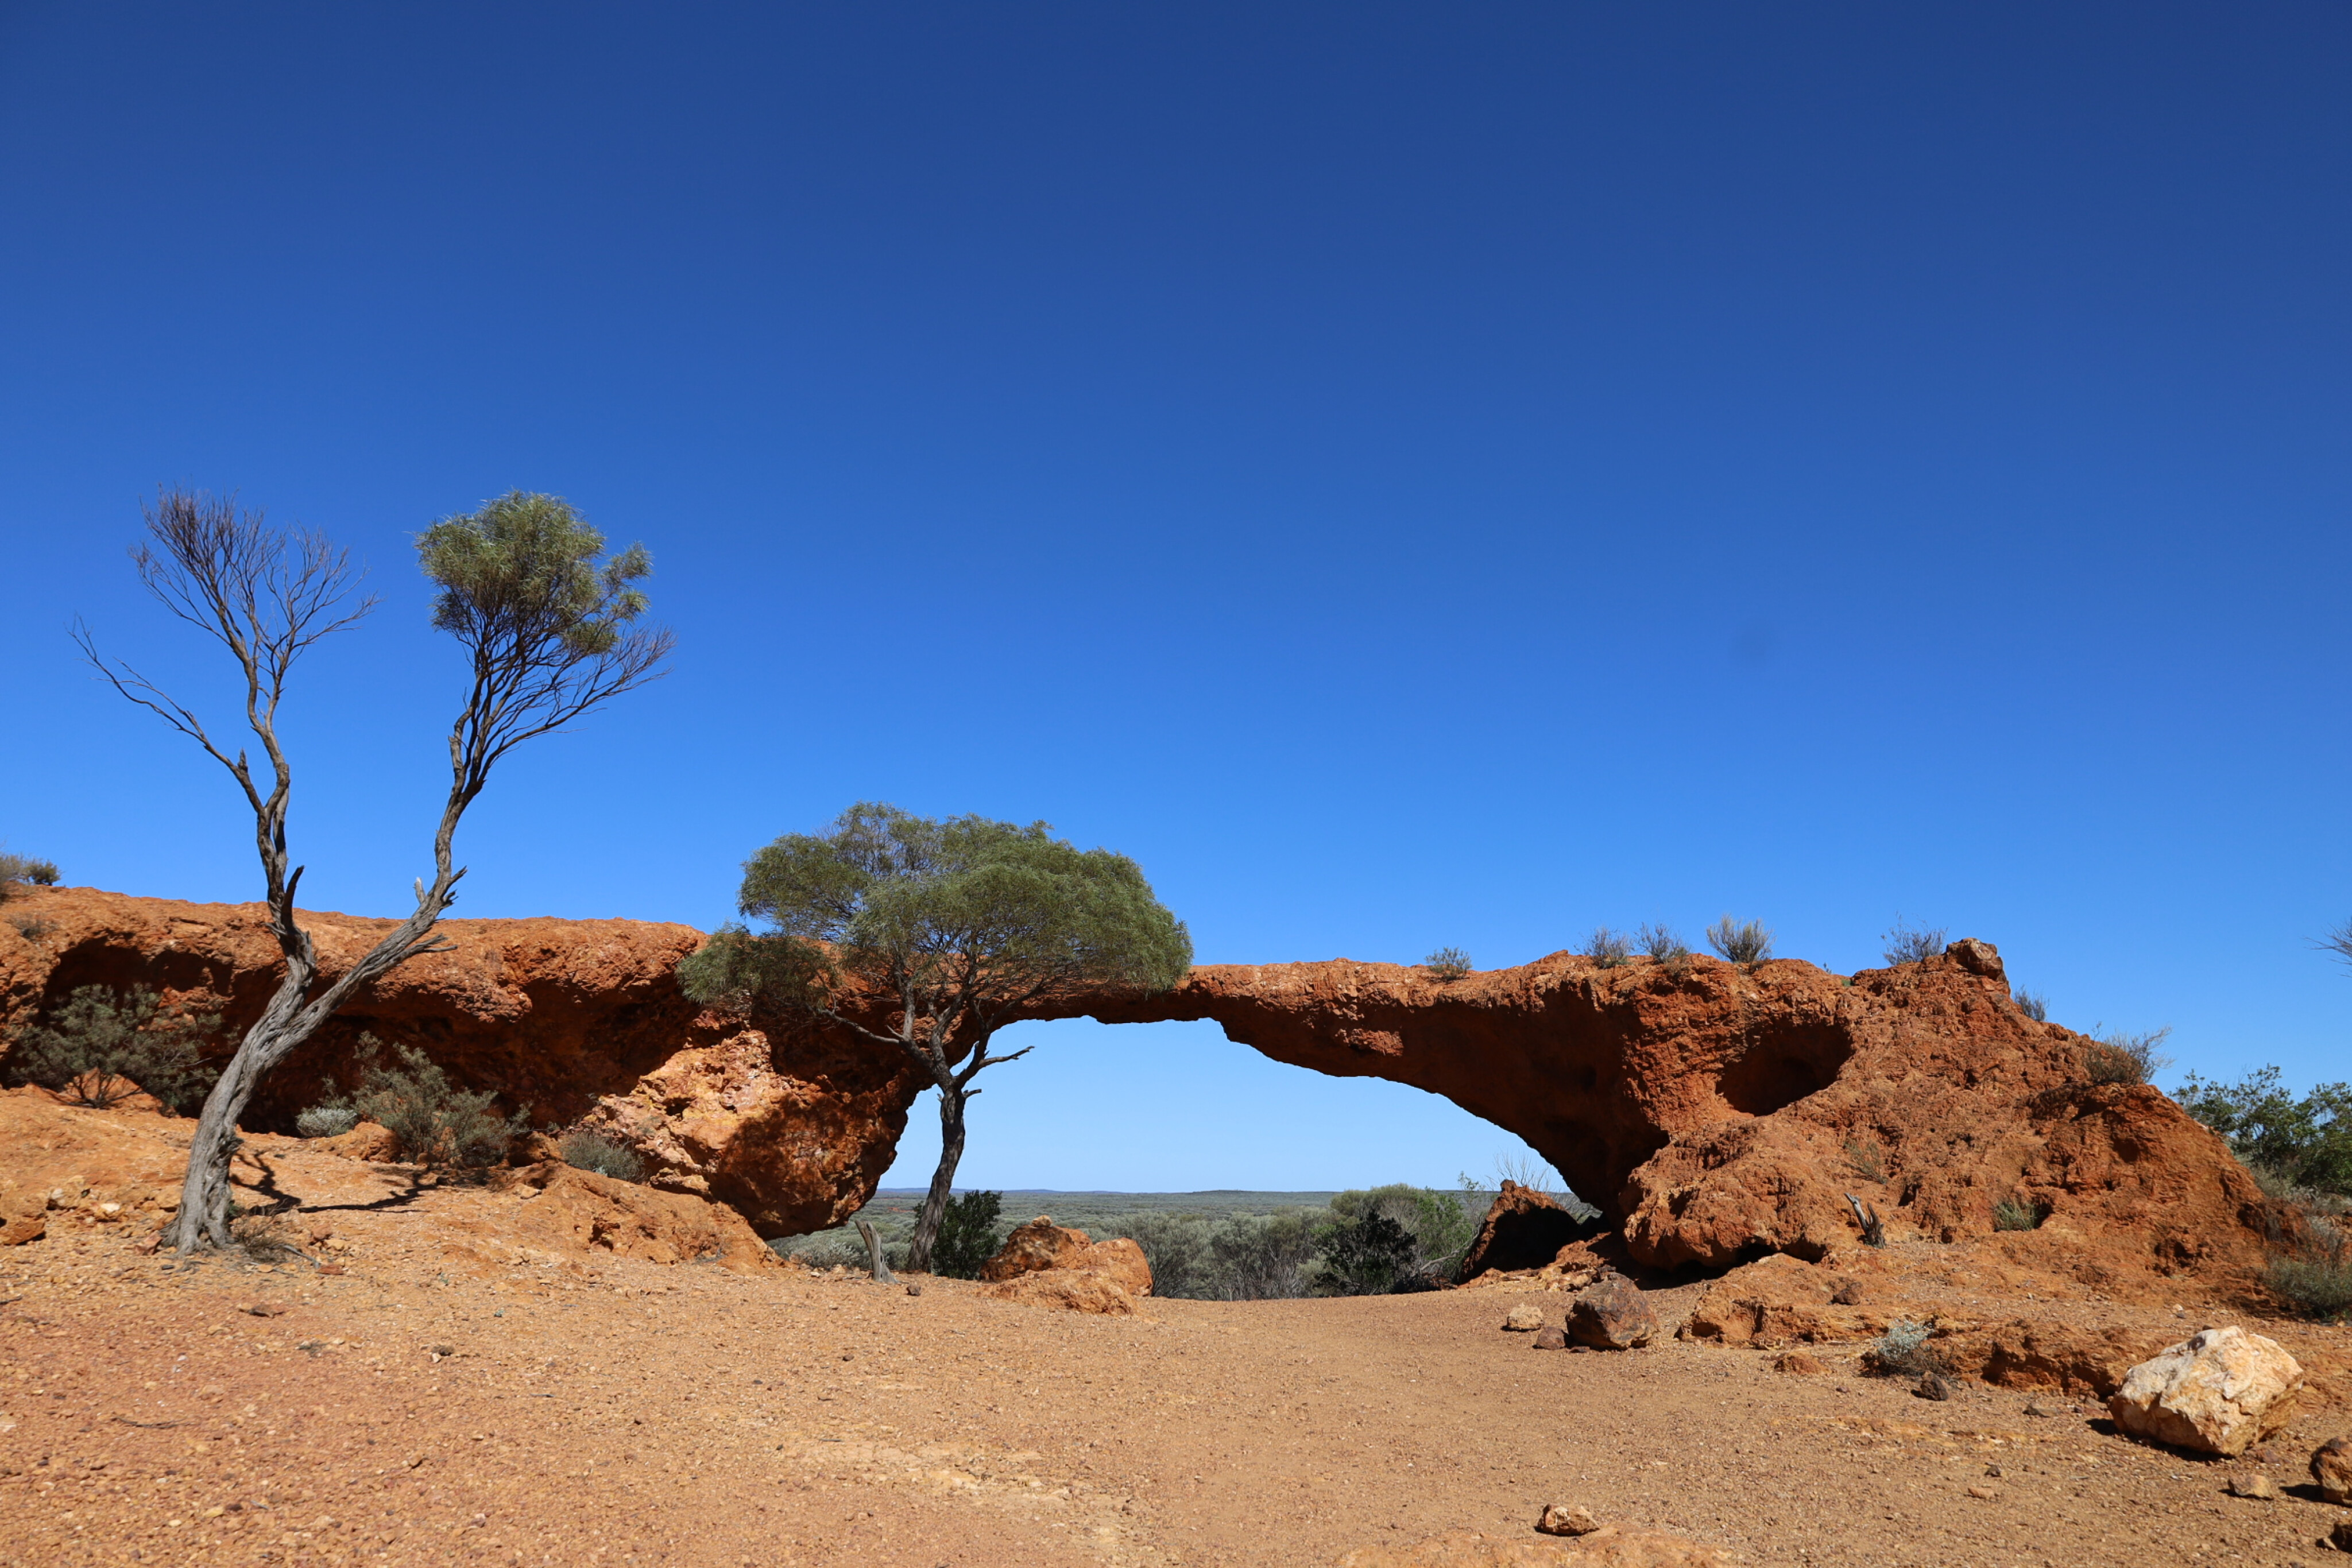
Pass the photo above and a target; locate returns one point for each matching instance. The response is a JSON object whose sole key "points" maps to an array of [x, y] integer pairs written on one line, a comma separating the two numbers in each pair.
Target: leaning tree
{"points": [[549, 628], [929, 937]]}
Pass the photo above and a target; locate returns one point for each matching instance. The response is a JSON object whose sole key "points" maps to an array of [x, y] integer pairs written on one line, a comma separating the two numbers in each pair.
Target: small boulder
{"points": [[1550, 1338], [1612, 1315], [2340, 1537], [1523, 1319], [2255, 1485], [1798, 1362], [1847, 1294], [1977, 958], [2218, 1392], [22, 1227], [1935, 1386], [2331, 1469], [1558, 1519]]}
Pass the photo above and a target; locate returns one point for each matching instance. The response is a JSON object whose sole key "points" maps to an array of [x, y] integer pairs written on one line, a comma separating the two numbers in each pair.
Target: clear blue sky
{"points": [[1410, 475]]}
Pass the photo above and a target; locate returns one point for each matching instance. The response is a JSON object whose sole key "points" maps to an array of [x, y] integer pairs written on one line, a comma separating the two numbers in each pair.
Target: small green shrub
{"points": [[17, 869], [586, 1151], [326, 1121], [1177, 1247], [265, 1237], [1661, 944], [2032, 1006], [1748, 942], [1906, 944], [1367, 1255], [437, 1123], [2010, 1214], [1903, 1351], [1447, 963], [2316, 1287], [103, 1044], [1609, 949], [1869, 1160], [2124, 1058], [967, 1235]]}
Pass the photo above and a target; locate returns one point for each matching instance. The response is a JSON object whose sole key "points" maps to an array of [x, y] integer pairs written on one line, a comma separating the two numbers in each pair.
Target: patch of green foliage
{"points": [[967, 1235], [1447, 963], [1744, 942], [1607, 948], [437, 1123], [2012, 1214], [2305, 1142], [589, 1151], [16, 870], [2124, 1058], [102, 1044]]}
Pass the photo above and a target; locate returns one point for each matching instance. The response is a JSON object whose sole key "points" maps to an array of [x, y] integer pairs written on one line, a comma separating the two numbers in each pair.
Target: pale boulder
{"points": [[2218, 1392]]}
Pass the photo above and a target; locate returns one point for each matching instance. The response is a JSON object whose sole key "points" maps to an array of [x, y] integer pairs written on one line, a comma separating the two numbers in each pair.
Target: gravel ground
{"points": [[454, 1397]]}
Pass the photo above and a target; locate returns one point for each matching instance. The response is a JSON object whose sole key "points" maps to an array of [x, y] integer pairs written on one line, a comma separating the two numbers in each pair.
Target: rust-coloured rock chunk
{"points": [[2331, 1469], [1612, 1315]]}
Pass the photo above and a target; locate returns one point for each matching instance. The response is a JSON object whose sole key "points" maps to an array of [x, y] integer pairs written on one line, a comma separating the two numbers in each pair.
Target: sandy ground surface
{"points": [[453, 1398]]}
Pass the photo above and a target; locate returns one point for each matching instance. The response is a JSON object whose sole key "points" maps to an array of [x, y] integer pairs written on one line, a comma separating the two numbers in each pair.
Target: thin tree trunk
{"points": [[953, 1096], [204, 1202], [876, 1264]]}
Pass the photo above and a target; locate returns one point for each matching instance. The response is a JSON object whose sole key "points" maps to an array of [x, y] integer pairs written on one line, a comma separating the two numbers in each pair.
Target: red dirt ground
{"points": [[461, 1394]]}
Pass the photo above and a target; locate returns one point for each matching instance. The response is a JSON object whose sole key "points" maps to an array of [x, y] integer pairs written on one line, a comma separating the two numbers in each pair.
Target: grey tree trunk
{"points": [[204, 1216], [953, 1096], [876, 1264]]}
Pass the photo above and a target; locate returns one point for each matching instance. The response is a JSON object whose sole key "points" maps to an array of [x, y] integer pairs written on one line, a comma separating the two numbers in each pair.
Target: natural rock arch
{"points": [[1711, 1111]]}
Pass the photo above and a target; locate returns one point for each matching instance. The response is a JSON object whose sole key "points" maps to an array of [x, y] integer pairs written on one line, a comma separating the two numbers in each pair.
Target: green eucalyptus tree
{"points": [[929, 937], [550, 632]]}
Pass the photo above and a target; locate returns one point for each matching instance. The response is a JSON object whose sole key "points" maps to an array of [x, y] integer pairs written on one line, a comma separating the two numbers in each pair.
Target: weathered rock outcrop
{"points": [[1045, 1264], [1524, 1228], [1715, 1112], [1720, 1112], [579, 1019]]}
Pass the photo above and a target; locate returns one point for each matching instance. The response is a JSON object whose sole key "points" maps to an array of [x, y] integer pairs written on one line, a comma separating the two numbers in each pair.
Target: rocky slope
{"points": [[579, 1019], [1715, 1112]]}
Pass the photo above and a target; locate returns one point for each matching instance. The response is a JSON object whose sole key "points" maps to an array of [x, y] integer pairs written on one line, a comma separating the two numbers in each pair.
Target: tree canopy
{"points": [[944, 928]]}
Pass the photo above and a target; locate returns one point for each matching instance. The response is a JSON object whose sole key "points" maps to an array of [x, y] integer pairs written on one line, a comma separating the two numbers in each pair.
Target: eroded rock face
{"points": [[1724, 1111], [579, 1019], [1714, 1112]]}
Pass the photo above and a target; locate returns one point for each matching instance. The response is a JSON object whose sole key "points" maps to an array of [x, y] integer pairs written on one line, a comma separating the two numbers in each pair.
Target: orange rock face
{"points": [[579, 1019], [1042, 1246], [1720, 1111], [1714, 1112]]}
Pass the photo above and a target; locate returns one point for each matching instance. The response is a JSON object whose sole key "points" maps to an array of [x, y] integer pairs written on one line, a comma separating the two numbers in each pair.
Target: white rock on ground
{"points": [[2219, 1391]]}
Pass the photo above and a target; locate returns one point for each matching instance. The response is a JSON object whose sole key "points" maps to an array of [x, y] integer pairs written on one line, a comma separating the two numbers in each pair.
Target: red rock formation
{"points": [[1041, 1244], [1715, 1112], [1524, 1228], [1720, 1112], [579, 1019]]}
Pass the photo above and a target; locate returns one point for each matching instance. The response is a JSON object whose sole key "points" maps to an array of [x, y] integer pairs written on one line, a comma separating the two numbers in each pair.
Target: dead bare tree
{"points": [[549, 629]]}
